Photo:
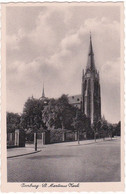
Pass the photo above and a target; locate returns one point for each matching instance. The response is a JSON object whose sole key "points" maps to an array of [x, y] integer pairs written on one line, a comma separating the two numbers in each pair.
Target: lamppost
{"points": [[35, 121], [35, 138], [77, 125]]}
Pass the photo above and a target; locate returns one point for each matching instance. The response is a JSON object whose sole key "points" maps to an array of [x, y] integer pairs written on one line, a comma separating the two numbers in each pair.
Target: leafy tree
{"points": [[32, 114], [97, 128], [104, 129], [107, 129], [110, 130], [49, 114], [59, 113], [13, 122], [117, 129], [80, 123]]}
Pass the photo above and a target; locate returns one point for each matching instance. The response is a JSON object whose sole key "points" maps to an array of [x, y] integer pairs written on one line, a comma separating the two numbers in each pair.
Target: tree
{"points": [[110, 130], [49, 114], [32, 114], [118, 129], [13, 122], [59, 113], [104, 129], [79, 123], [96, 128], [32, 117]]}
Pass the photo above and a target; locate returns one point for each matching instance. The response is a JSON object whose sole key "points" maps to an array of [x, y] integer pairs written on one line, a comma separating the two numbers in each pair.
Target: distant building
{"points": [[91, 95], [90, 99], [76, 100], [43, 94], [43, 98]]}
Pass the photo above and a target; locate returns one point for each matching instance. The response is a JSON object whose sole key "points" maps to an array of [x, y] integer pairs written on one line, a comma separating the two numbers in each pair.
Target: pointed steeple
{"points": [[90, 62], [91, 93], [90, 47], [98, 75], [82, 74], [43, 93]]}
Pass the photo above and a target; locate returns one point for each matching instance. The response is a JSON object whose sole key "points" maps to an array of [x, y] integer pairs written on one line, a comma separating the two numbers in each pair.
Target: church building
{"points": [[90, 99]]}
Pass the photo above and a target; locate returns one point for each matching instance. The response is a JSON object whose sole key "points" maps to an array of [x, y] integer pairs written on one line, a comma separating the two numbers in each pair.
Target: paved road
{"points": [[69, 163], [12, 152]]}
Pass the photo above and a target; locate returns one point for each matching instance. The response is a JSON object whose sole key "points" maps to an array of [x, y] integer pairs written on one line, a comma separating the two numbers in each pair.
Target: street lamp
{"points": [[35, 138], [78, 131], [35, 121]]}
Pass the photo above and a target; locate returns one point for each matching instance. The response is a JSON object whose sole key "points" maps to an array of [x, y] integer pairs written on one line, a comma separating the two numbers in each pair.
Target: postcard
{"points": [[62, 97]]}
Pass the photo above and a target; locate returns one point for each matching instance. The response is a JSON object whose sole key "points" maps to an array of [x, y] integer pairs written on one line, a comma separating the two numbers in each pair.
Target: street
{"points": [[69, 162]]}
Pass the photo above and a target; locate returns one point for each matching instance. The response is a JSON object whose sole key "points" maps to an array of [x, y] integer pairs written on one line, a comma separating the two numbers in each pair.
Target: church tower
{"points": [[43, 93], [91, 97]]}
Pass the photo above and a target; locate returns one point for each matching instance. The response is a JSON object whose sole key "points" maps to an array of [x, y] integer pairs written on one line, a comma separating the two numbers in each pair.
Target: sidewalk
{"points": [[67, 144], [30, 148], [82, 142], [15, 152]]}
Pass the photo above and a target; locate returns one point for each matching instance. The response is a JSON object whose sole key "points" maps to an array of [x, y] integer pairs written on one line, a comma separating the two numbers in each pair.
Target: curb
{"points": [[24, 154]]}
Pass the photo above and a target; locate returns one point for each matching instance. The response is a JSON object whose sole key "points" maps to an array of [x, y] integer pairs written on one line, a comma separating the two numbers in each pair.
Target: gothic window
{"points": [[85, 84], [89, 83], [96, 87]]}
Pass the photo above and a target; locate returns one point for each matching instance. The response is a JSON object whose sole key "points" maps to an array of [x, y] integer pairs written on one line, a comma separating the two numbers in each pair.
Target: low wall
{"points": [[56, 135], [16, 139], [70, 136], [10, 139]]}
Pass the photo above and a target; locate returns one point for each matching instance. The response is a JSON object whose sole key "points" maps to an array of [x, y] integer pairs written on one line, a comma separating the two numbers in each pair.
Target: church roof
{"points": [[90, 62], [75, 99]]}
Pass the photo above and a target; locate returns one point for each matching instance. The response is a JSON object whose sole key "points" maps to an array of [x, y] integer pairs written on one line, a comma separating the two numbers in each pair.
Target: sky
{"points": [[49, 44]]}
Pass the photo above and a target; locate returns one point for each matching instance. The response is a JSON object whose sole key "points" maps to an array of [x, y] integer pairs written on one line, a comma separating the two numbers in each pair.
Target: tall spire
{"points": [[82, 74], [91, 95], [90, 62], [43, 93], [91, 47]]}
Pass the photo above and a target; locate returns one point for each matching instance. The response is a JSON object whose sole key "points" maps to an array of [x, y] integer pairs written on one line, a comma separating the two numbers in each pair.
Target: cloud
{"points": [[110, 89], [54, 49], [111, 71]]}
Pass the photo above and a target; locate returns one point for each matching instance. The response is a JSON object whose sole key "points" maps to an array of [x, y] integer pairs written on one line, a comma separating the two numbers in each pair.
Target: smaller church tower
{"points": [[91, 97], [43, 94]]}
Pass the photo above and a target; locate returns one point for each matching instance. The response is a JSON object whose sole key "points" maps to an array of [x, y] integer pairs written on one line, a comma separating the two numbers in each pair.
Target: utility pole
{"points": [[36, 141], [95, 135], [78, 136], [35, 120], [78, 132]]}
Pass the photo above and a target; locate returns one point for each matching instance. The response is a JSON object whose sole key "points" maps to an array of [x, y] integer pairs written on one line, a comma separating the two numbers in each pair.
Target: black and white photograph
{"points": [[64, 84]]}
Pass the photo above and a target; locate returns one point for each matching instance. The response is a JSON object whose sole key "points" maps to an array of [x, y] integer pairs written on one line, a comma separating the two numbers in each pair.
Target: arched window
{"points": [[85, 85]]}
